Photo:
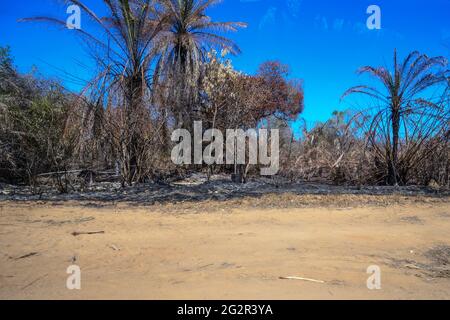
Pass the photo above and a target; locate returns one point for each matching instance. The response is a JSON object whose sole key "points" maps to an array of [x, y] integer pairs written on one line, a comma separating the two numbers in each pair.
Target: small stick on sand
{"points": [[26, 255], [412, 266], [80, 233], [114, 247], [34, 281], [300, 278]]}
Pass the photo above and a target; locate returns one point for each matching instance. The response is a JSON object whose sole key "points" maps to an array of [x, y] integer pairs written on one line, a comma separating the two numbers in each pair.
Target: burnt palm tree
{"points": [[183, 44], [402, 104], [123, 50], [133, 38]]}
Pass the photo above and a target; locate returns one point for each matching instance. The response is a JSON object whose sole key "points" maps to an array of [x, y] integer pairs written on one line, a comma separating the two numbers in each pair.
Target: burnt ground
{"points": [[220, 188]]}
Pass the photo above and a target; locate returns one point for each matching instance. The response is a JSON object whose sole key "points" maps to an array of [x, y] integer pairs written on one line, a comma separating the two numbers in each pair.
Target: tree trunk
{"points": [[393, 161]]}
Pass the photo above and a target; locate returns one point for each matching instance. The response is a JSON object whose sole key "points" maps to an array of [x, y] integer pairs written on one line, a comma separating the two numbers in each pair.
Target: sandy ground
{"points": [[223, 250]]}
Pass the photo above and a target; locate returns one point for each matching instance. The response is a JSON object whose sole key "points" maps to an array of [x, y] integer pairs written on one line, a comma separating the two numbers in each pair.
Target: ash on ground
{"points": [[198, 187]]}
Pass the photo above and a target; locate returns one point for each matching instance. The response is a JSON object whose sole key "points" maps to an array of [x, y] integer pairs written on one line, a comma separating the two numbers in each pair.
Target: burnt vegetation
{"points": [[161, 65]]}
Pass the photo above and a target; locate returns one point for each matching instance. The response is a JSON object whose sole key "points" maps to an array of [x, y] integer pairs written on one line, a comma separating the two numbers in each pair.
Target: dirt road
{"points": [[224, 251]]}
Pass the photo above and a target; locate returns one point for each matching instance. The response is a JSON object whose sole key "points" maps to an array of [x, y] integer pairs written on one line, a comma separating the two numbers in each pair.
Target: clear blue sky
{"points": [[323, 41]]}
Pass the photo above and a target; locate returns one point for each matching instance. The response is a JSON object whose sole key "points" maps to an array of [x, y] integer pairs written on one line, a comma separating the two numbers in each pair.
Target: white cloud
{"points": [[338, 24], [269, 18], [321, 22]]}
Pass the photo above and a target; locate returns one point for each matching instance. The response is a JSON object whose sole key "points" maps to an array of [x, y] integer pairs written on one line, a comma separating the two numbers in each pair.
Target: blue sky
{"points": [[323, 41]]}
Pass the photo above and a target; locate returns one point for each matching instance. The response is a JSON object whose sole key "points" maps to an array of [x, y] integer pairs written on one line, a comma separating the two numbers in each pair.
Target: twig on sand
{"points": [[27, 255], [114, 247], [34, 281], [301, 278], [75, 233], [412, 266]]}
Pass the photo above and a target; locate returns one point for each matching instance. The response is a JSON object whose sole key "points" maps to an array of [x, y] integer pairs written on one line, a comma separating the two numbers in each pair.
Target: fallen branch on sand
{"points": [[412, 266], [80, 233], [114, 247], [26, 255], [300, 278], [34, 281]]}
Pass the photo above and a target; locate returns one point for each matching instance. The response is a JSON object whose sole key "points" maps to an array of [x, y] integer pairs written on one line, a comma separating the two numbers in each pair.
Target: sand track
{"points": [[223, 250]]}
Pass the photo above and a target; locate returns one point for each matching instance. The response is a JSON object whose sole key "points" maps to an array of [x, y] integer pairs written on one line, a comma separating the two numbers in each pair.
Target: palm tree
{"points": [[401, 98], [134, 37], [183, 45], [123, 52]]}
